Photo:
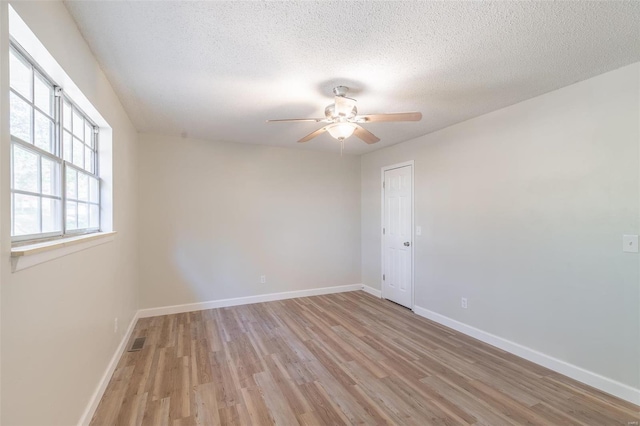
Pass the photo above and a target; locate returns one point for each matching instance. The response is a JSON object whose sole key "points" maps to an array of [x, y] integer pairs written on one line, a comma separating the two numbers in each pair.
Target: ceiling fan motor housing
{"points": [[331, 114]]}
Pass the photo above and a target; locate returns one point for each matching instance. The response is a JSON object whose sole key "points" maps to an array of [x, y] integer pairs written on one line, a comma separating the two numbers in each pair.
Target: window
{"points": [[55, 187]]}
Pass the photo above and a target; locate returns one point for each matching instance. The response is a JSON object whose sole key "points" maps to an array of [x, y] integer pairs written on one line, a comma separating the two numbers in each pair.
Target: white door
{"points": [[397, 284]]}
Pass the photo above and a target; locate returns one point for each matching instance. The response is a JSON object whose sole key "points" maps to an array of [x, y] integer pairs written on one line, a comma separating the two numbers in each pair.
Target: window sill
{"points": [[24, 257]]}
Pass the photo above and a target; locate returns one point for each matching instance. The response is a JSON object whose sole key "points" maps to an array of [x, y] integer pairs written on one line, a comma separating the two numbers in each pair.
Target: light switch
{"points": [[418, 230], [630, 243]]}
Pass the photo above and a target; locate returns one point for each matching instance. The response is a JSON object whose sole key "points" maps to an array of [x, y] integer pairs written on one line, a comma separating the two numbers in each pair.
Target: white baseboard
{"points": [[590, 378], [86, 417], [372, 291], [223, 303]]}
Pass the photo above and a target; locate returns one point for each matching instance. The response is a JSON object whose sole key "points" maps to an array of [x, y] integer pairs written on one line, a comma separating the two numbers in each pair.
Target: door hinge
{"points": [[383, 185], [383, 277], [383, 231]]}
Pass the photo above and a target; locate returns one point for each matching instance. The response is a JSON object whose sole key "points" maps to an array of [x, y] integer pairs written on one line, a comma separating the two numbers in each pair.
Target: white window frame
{"points": [[58, 157]]}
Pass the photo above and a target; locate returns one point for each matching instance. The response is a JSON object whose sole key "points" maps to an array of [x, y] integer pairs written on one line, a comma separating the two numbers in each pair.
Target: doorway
{"points": [[397, 233]]}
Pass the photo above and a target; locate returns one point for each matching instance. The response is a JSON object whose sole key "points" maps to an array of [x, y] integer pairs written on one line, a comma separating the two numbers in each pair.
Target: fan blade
{"points": [[344, 106], [396, 116], [314, 134], [315, 120], [365, 135]]}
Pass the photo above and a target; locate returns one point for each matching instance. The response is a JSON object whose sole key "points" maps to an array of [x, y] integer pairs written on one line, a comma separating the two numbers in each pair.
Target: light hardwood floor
{"points": [[345, 358]]}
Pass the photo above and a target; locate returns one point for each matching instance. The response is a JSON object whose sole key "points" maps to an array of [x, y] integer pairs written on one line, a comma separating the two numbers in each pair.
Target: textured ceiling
{"points": [[217, 70]]}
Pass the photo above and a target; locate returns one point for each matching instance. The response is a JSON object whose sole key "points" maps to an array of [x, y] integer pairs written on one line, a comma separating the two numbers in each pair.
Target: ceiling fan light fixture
{"points": [[341, 131], [342, 116]]}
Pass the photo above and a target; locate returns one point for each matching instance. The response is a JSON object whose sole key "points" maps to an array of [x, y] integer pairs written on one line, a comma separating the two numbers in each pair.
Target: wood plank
{"points": [[346, 358]]}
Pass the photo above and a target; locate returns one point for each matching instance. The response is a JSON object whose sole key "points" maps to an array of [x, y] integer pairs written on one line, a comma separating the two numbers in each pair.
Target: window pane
{"points": [[25, 169], [83, 187], [78, 125], [44, 132], [67, 150], [26, 214], [72, 188], [91, 140], [49, 174], [94, 188], [88, 159], [83, 215], [20, 118], [51, 215], [20, 75], [43, 95], [35, 121], [94, 216], [66, 115], [72, 215], [88, 132], [78, 153]]}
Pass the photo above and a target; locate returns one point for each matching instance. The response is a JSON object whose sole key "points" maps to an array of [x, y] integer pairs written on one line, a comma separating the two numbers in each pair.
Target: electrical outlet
{"points": [[463, 302], [263, 279], [115, 325]]}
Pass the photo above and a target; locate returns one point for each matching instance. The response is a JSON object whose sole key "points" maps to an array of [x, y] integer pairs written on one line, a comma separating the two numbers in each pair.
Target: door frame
{"points": [[382, 190]]}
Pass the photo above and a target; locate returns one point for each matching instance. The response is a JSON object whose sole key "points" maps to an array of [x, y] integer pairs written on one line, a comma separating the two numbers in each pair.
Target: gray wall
{"points": [[217, 216], [523, 212]]}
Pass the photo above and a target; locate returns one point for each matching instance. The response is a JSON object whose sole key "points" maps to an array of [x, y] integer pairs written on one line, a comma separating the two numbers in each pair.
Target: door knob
{"points": [[407, 244]]}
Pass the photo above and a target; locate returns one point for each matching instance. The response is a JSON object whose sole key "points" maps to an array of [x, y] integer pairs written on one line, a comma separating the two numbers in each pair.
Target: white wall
{"points": [[218, 215], [4, 160], [58, 317], [523, 212]]}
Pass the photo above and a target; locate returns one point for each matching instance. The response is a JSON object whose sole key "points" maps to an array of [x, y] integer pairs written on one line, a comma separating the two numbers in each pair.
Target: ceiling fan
{"points": [[344, 121]]}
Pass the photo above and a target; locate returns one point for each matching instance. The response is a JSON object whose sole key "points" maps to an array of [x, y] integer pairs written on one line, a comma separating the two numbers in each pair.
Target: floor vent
{"points": [[137, 344]]}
